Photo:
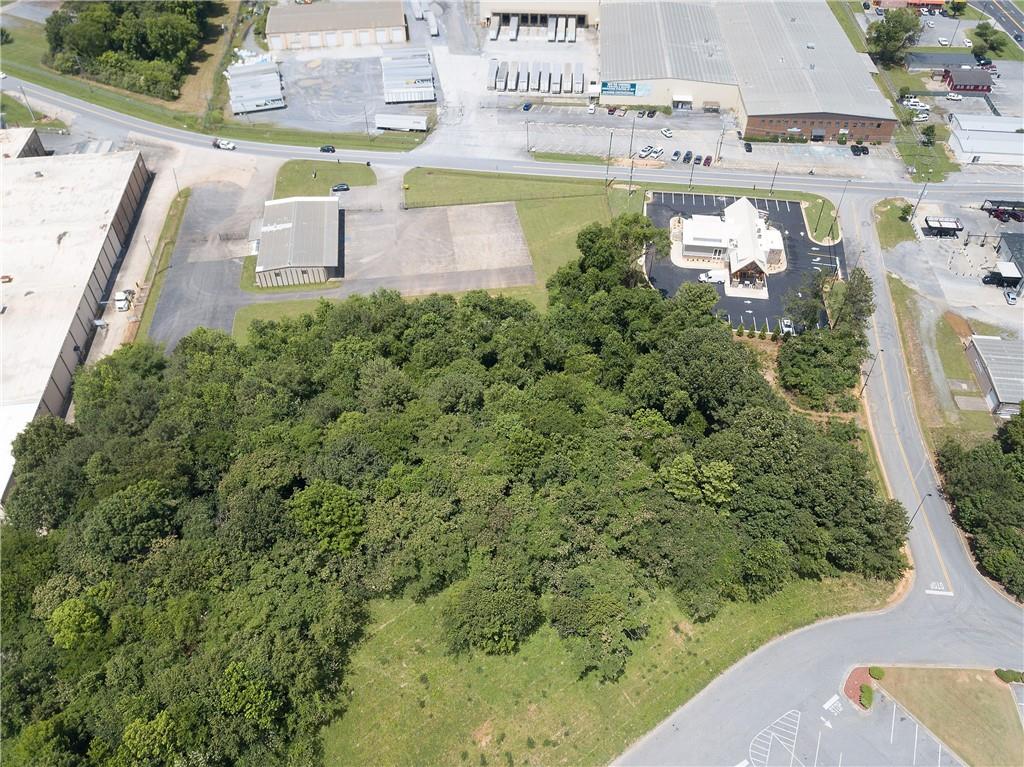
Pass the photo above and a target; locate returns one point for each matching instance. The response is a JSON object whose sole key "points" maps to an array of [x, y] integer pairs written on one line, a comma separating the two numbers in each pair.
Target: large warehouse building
{"points": [[535, 13], [343, 24], [65, 224], [785, 69], [299, 241]]}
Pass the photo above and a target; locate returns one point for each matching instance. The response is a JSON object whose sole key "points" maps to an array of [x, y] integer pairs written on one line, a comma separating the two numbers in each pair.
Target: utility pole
{"points": [[366, 121], [631, 131], [27, 105], [924, 189], [175, 180], [692, 165], [630, 177], [836, 216], [874, 360], [771, 190], [527, 136], [919, 506], [608, 159]]}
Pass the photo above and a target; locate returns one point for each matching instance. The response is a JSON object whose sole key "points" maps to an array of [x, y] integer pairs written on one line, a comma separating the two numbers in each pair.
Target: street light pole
{"points": [[527, 136], [692, 166], [771, 189], [836, 216], [27, 105], [632, 130], [919, 507], [608, 159], [874, 361], [924, 189]]}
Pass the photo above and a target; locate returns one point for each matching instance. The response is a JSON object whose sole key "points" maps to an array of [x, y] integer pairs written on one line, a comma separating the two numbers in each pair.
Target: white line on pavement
{"points": [[935, 593], [828, 703], [892, 728], [816, 749]]}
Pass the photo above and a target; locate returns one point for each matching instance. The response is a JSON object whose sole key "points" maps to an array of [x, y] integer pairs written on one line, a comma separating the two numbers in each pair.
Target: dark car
{"points": [[707, 161], [867, 6], [327, 149], [747, 147], [1016, 215], [855, 150], [865, 151], [676, 155], [879, 12], [342, 187], [1019, 37], [651, 113], [688, 156], [697, 159], [1000, 215], [527, 106], [611, 110]]}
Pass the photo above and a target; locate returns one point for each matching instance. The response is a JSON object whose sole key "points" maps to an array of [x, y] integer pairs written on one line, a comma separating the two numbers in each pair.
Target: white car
{"points": [[967, 42], [646, 152], [922, 117], [666, 132], [591, 109], [657, 153], [943, 41], [954, 97], [930, 23], [221, 143]]}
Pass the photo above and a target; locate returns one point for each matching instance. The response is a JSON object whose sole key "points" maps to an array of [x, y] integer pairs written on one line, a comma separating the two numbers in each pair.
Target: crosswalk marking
{"points": [[783, 730]]}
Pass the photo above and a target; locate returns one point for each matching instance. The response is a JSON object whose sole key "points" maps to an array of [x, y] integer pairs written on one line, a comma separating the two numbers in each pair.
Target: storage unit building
{"points": [[998, 364], [336, 25], [408, 77], [301, 241], [986, 139], [255, 87]]}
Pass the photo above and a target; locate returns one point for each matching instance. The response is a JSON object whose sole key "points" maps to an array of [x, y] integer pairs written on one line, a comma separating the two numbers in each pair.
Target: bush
{"points": [[750, 333], [763, 334], [905, 211], [876, 672], [867, 696], [846, 403], [775, 335], [1009, 675]]}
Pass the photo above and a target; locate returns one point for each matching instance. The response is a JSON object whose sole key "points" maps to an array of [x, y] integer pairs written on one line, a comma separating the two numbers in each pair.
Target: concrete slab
{"points": [[976, 404]]}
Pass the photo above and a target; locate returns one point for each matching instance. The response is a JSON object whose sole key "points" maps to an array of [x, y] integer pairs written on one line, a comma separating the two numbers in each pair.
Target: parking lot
{"points": [[804, 257]]}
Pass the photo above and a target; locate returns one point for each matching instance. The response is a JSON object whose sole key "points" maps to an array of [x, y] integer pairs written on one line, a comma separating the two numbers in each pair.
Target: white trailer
{"points": [[552, 27], [495, 26], [431, 20], [524, 77], [556, 80], [417, 9], [570, 32], [535, 77], [561, 29], [513, 28], [577, 80], [492, 74], [545, 78], [502, 82], [400, 122], [567, 79]]}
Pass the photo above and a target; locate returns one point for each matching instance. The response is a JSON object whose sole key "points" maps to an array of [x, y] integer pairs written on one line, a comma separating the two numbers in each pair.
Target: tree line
{"points": [[142, 47], [187, 566], [985, 484]]}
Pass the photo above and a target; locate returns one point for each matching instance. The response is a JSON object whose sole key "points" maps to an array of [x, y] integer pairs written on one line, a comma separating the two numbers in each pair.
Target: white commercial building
{"points": [[299, 241], [255, 86], [344, 24], [65, 225], [999, 367], [987, 139]]}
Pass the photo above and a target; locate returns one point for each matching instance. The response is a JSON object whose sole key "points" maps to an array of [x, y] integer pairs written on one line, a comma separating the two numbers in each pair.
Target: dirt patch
{"points": [[905, 582], [960, 326], [197, 87], [680, 632], [856, 678], [482, 735]]}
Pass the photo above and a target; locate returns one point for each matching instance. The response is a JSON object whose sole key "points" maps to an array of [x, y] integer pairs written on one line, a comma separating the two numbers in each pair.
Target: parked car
{"points": [[527, 106], [1019, 37], [867, 6], [930, 23], [341, 187], [922, 117], [1000, 215], [676, 155], [591, 108], [747, 147], [1016, 215], [620, 112], [697, 159], [666, 132], [943, 41], [1010, 294], [879, 12], [688, 156], [864, 150], [327, 149], [657, 153], [982, 60], [713, 276], [951, 96], [220, 143], [645, 152], [611, 110], [967, 42], [651, 112], [786, 326], [855, 150], [707, 161]]}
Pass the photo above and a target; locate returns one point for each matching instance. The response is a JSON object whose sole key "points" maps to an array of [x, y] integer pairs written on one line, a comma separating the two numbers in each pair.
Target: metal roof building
{"points": [[999, 366], [408, 77], [255, 87], [987, 139], [336, 24], [301, 241]]}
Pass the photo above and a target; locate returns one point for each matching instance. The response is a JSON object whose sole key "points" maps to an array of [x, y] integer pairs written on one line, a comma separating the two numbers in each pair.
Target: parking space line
{"points": [[892, 727], [917, 728]]}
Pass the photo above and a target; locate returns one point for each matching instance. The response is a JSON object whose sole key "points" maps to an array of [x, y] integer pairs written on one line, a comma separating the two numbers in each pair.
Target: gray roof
{"points": [[299, 231], [970, 77], [328, 16], [786, 57], [656, 41], [1004, 361]]}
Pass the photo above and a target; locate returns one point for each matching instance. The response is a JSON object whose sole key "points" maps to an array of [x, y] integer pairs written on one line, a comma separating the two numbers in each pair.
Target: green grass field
{"points": [[951, 352], [968, 709], [413, 703], [900, 78], [23, 58], [295, 177], [931, 163], [586, 159], [1008, 50], [161, 259], [969, 14], [18, 115], [892, 231]]}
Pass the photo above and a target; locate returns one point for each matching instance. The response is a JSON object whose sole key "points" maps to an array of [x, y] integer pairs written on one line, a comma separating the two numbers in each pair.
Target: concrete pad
{"points": [[977, 404], [216, 224]]}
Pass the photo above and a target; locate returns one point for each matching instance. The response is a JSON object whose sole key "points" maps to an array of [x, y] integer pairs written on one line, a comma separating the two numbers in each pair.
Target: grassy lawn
{"points": [[295, 177], [1008, 50], [23, 58], [588, 159], [273, 310], [844, 12], [892, 231], [931, 163], [413, 703], [19, 116], [900, 78], [969, 14], [951, 352], [161, 259], [430, 188], [970, 710], [248, 281]]}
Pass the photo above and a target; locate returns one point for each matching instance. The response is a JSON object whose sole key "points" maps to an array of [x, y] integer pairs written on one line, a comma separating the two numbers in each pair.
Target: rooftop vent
{"points": [[39, 174], [810, 46]]}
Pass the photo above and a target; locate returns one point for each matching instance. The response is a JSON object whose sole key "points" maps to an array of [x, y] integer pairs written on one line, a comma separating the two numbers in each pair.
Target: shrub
{"points": [[763, 334], [5, 36], [904, 91], [846, 403], [867, 696], [531, 743], [1009, 675], [775, 336], [876, 672], [750, 333], [905, 211]]}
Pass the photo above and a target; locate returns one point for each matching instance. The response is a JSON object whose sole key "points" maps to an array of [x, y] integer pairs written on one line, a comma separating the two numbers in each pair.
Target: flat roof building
{"points": [[300, 241], [999, 366], [65, 225], [786, 69], [408, 77], [987, 139], [255, 86], [344, 24], [20, 142]]}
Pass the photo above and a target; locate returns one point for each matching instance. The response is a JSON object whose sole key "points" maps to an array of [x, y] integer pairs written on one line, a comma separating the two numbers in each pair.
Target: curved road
{"points": [[950, 616]]}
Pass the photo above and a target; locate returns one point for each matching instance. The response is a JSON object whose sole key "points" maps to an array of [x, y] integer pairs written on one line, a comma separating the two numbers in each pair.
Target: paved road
{"points": [[1006, 13], [950, 615]]}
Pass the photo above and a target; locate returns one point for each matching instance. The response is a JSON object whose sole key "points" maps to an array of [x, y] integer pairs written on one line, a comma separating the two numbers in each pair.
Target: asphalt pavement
{"points": [[951, 615], [1007, 14]]}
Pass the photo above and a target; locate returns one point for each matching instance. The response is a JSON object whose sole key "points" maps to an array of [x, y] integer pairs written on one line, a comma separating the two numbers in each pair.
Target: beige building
{"points": [[535, 13], [65, 225], [299, 241], [20, 142], [336, 25]]}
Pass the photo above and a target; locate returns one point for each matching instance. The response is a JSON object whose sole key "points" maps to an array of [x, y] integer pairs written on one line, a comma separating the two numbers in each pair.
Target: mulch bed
{"points": [[857, 677]]}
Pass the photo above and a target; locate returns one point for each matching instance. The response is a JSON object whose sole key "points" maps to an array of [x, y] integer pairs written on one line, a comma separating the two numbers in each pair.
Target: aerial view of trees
{"points": [[187, 567], [890, 37], [822, 365], [986, 486], [142, 47]]}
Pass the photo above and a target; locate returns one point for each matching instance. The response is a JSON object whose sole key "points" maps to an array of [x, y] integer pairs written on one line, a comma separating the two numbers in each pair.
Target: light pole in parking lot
{"points": [[527, 135], [919, 507], [631, 131], [771, 189], [608, 159]]}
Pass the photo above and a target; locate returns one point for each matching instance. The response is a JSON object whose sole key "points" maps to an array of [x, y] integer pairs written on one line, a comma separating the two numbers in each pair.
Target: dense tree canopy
{"points": [[890, 37], [986, 486], [217, 519]]}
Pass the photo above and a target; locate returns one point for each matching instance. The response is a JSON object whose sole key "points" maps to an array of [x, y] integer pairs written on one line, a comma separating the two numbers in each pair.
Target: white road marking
{"points": [[816, 749], [917, 727], [892, 728], [826, 721], [936, 593], [827, 705], [744, 763], [784, 730]]}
